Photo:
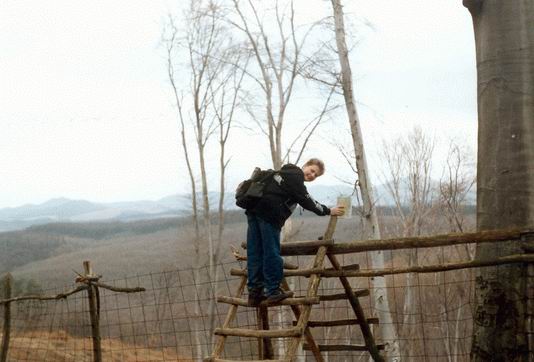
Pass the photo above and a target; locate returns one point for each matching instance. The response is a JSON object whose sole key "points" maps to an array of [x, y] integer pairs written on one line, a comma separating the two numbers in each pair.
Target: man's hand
{"points": [[337, 211]]}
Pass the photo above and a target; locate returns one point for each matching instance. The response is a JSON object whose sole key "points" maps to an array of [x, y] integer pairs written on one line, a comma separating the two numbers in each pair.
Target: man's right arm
{"points": [[300, 194]]}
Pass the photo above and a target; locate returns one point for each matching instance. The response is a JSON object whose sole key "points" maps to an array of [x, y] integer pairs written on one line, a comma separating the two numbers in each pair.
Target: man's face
{"points": [[311, 172]]}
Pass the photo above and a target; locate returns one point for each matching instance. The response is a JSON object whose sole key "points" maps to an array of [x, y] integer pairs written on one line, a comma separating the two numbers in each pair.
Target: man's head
{"points": [[312, 169]]}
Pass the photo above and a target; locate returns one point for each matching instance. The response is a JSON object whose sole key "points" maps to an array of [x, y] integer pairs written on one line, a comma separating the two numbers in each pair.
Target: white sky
{"points": [[86, 110]]}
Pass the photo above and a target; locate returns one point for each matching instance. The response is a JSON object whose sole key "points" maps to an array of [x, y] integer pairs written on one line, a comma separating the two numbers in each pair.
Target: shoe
{"points": [[278, 296], [255, 297]]}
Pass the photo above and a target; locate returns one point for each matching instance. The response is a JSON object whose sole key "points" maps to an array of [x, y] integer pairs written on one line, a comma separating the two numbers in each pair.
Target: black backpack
{"points": [[250, 191]]}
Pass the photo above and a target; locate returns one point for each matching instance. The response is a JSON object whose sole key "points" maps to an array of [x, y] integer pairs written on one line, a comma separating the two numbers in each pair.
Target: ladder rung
{"points": [[337, 322], [255, 333], [290, 273], [287, 301], [341, 347], [211, 359], [300, 247], [303, 247], [347, 267], [341, 296]]}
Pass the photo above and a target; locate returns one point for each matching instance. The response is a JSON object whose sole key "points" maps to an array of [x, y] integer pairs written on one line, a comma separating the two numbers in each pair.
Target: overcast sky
{"points": [[86, 109]]}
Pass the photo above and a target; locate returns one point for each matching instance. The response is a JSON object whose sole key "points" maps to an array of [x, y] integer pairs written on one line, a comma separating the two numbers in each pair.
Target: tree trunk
{"points": [[371, 229], [504, 38]]}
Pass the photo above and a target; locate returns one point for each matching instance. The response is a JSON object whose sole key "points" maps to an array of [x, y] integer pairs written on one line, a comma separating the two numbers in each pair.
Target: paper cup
{"points": [[345, 201]]}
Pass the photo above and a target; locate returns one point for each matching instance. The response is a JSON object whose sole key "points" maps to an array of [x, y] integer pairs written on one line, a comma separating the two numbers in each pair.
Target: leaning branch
{"points": [[118, 289], [51, 297]]}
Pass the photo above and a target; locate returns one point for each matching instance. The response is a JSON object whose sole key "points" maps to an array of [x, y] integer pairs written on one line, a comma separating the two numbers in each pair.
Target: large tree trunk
{"points": [[371, 229], [504, 37]]}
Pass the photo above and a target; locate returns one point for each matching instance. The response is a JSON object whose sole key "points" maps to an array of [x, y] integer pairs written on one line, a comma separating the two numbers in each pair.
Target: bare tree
{"points": [[371, 227], [226, 100], [456, 182], [172, 44], [208, 107], [409, 162], [277, 50], [504, 39]]}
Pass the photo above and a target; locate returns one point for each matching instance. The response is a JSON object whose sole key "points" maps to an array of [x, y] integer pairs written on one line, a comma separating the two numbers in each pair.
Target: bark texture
{"points": [[504, 37]]}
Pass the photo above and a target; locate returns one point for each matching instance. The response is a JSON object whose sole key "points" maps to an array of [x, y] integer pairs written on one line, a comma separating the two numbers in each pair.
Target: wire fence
{"points": [[174, 318]]}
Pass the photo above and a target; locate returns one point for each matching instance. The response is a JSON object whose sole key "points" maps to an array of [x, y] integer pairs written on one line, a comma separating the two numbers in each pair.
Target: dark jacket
{"points": [[282, 195]]}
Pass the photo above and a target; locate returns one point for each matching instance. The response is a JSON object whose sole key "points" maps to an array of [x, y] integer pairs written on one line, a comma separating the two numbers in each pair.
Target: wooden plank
{"points": [[338, 322], [343, 347], [288, 301], [254, 333]]}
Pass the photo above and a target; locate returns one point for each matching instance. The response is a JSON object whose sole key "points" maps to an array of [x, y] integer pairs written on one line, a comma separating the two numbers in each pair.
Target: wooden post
{"points": [[265, 346], [7, 318], [259, 325], [92, 294]]}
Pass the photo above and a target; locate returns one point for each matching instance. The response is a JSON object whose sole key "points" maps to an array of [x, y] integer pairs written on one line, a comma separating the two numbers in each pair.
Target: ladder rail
{"points": [[358, 311], [313, 286], [232, 311]]}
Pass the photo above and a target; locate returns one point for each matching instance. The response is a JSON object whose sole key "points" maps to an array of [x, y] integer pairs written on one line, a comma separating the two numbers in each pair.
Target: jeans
{"points": [[264, 263]]}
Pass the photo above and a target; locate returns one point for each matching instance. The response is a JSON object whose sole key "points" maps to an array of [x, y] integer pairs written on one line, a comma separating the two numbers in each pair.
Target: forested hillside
{"points": [[51, 253]]}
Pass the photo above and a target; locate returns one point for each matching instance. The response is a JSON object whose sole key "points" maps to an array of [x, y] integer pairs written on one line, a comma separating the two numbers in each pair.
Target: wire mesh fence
{"points": [[174, 318]]}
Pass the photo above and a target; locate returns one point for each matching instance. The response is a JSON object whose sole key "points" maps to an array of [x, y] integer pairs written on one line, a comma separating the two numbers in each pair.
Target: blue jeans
{"points": [[264, 263]]}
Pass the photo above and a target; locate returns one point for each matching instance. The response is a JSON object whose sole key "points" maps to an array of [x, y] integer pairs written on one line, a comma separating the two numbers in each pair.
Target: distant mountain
{"points": [[63, 209], [67, 210]]}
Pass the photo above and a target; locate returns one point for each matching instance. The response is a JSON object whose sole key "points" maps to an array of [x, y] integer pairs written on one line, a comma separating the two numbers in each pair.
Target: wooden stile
{"points": [[301, 306]]}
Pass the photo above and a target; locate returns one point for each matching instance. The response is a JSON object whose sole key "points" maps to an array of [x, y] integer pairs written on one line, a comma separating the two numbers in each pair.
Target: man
{"points": [[265, 220]]}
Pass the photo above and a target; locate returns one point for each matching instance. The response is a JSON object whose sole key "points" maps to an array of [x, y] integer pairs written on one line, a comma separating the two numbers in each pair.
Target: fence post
{"points": [[94, 303], [8, 280]]}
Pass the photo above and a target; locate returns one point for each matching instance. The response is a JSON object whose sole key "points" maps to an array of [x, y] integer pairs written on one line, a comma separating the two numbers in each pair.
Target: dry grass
{"points": [[60, 346]]}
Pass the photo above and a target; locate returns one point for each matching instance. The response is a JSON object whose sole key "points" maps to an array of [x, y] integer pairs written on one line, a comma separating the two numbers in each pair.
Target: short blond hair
{"points": [[316, 162]]}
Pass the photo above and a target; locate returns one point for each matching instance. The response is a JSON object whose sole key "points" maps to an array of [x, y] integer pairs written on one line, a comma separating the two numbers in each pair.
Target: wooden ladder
{"points": [[301, 307]]}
